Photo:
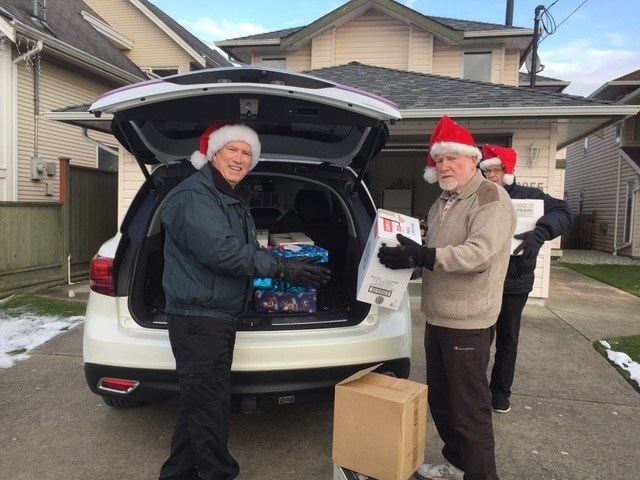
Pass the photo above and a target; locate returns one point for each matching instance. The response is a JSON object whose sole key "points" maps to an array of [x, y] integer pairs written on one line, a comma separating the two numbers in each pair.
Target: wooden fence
{"points": [[49, 243]]}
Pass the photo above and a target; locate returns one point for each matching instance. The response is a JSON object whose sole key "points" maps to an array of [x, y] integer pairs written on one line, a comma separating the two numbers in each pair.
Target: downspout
{"points": [[97, 143], [36, 88]]}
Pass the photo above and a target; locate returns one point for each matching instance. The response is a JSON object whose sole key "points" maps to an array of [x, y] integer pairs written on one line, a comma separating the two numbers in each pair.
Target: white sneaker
{"points": [[435, 471]]}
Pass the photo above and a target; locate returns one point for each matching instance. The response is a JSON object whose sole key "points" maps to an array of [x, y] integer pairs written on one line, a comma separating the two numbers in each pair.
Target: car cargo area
{"points": [[311, 201]]}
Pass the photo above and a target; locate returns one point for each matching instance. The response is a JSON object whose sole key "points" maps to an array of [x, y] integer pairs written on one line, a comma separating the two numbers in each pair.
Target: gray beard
{"points": [[450, 185]]}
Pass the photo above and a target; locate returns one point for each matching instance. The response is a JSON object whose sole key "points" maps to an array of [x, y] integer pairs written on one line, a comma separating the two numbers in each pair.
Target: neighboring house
{"points": [[603, 173], [432, 66], [53, 55], [547, 84], [50, 57]]}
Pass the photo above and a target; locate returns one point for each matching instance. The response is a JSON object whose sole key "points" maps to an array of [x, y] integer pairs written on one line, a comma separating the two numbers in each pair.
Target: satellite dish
{"points": [[529, 60]]}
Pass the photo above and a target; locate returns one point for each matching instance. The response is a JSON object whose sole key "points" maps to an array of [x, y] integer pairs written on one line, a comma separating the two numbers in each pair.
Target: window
{"points": [[628, 211], [477, 66], [275, 63], [107, 160]]}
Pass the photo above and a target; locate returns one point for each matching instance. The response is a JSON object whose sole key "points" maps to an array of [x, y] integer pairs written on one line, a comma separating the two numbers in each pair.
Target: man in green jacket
{"points": [[464, 263], [211, 255]]}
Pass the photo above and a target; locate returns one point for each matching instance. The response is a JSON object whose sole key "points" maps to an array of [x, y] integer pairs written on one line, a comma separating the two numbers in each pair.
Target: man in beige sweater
{"points": [[464, 264]]}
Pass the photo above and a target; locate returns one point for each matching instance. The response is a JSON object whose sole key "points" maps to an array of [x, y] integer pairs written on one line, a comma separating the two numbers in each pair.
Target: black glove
{"points": [[299, 271], [408, 254], [532, 241]]}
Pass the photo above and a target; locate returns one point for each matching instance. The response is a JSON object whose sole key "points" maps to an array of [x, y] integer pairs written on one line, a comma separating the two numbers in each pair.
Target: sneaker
{"points": [[500, 406], [435, 471]]}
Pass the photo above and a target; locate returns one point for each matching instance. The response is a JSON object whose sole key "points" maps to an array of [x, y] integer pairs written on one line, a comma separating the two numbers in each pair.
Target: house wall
{"points": [[130, 178], [322, 50], [301, 60], [447, 61], [152, 47], [59, 87], [373, 39], [627, 132], [596, 172]]}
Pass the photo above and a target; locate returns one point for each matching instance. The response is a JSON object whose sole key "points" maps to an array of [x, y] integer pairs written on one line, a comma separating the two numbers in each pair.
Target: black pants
{"points": [[459, 398], [203, 349], [507, 334]]}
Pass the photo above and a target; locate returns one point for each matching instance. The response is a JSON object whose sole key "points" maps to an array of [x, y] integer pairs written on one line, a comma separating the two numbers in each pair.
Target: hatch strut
{"points": [[131, 150], [370, 154]]}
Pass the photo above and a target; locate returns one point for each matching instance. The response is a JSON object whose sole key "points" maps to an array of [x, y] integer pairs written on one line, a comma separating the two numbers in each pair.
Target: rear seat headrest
{"points": [[313, 205]]}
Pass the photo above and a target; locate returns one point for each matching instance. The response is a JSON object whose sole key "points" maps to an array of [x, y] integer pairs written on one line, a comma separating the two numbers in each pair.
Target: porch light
{"points": [[534, 154]]}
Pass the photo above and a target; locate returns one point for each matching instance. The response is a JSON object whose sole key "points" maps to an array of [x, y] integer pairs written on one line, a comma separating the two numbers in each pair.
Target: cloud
{"points": [[615, 39], [588, 69], [209, 29]]}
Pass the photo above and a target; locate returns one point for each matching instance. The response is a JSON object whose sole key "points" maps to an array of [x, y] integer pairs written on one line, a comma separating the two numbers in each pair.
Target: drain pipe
{"points": [[36, 89], [69, 282], [97, 143]]}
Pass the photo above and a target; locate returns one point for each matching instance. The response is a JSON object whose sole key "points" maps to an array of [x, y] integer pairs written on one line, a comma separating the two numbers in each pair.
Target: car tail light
{"points": [[101, 276], [117, 385]]}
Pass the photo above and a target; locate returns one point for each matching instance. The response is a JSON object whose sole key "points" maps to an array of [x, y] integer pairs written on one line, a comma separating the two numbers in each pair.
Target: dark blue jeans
{"points": [[459, 398], [203, 349]]}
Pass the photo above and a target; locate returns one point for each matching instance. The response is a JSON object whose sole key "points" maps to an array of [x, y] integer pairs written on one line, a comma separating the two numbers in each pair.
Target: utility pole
{"points": [[534, 51]]}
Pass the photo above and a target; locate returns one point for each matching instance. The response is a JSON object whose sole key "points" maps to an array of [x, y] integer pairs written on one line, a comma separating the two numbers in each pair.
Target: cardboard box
{"points": [[377, 284], [262, 235], [528, 212], [379, 425], [282, 239]]}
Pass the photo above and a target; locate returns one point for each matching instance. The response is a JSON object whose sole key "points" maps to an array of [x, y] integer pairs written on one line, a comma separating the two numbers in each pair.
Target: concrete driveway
{"points": [[573, 416]]}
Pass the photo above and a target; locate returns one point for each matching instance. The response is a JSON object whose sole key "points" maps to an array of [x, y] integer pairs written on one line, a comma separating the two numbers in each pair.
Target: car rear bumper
{"points": [[161, 386]]}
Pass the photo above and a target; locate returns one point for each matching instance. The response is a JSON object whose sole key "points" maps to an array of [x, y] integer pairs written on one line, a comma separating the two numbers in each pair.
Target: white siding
{"points": [[510, 74], [373, 39], [322, 50], [152, 48], [420, 50], [130, 178], [301, 60], [59, 87], [447, 61]]}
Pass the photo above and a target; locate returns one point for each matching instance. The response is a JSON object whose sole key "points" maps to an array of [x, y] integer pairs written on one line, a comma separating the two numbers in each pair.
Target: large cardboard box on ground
{"points": [[379, 425], [377, 284], [528, 212]]}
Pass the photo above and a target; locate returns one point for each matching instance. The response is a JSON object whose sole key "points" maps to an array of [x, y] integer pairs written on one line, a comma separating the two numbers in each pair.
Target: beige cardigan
{"points": [[472, 244]]}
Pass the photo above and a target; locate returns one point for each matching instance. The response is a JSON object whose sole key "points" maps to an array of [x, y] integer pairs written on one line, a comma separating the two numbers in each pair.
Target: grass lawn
{"points": [[622, 277], [630, 346], [42, 306]]}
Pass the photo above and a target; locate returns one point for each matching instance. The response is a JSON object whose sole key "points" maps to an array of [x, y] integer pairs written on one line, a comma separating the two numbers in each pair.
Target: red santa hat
{"points": [[494, 155], [448, 137], [218, 135]]}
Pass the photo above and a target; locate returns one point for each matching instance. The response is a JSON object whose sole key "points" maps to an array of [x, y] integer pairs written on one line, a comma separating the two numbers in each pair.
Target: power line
{"points": [[558, 25]]}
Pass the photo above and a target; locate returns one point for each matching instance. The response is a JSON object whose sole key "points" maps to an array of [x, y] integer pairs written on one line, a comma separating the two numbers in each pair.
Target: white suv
{"points": [[317, 139]]}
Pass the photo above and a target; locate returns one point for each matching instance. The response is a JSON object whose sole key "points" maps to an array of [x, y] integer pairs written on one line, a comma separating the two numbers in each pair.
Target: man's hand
{"points": [[301, 272], [532, 241], [408, 254]]}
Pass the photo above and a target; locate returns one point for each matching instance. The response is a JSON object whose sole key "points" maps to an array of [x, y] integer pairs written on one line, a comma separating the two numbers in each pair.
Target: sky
{"points": [[595, 41]]}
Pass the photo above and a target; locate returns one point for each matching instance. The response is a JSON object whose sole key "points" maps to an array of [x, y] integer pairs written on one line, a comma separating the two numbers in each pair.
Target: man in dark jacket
{"points": [[211, 254], [499, 166]]}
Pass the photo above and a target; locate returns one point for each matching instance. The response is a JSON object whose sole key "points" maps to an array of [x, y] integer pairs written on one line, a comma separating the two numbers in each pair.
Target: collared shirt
{"points": [[451, 199]]}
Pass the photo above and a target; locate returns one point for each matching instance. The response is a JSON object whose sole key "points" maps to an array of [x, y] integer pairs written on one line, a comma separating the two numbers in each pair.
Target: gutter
{"points": [[524, 112], [83, 59]]}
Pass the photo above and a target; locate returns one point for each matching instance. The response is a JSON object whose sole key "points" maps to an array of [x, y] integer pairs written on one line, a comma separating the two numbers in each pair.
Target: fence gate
{"points": [[93, 215]]}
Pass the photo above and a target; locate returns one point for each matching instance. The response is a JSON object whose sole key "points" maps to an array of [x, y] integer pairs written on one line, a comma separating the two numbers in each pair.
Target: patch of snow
{"points": [[623, 360]]}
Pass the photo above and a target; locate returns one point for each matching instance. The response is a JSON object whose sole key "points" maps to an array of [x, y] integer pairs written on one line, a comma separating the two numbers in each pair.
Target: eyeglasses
{"points": [[493, 170]]}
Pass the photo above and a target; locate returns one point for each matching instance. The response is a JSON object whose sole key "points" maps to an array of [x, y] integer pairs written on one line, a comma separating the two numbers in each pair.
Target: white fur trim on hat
{"points": [[198, 160], [234, 133], [454, 147], [430, 175], [495, 161], [508, 179]]}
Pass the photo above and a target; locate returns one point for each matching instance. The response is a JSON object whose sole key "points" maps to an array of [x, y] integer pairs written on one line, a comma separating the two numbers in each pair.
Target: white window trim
{"points": [[8, 122]]}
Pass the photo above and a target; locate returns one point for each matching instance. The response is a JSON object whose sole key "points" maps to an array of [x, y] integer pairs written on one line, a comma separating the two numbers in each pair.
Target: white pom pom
{"points": [[198, 160], [430, 175], [508, 179]]}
